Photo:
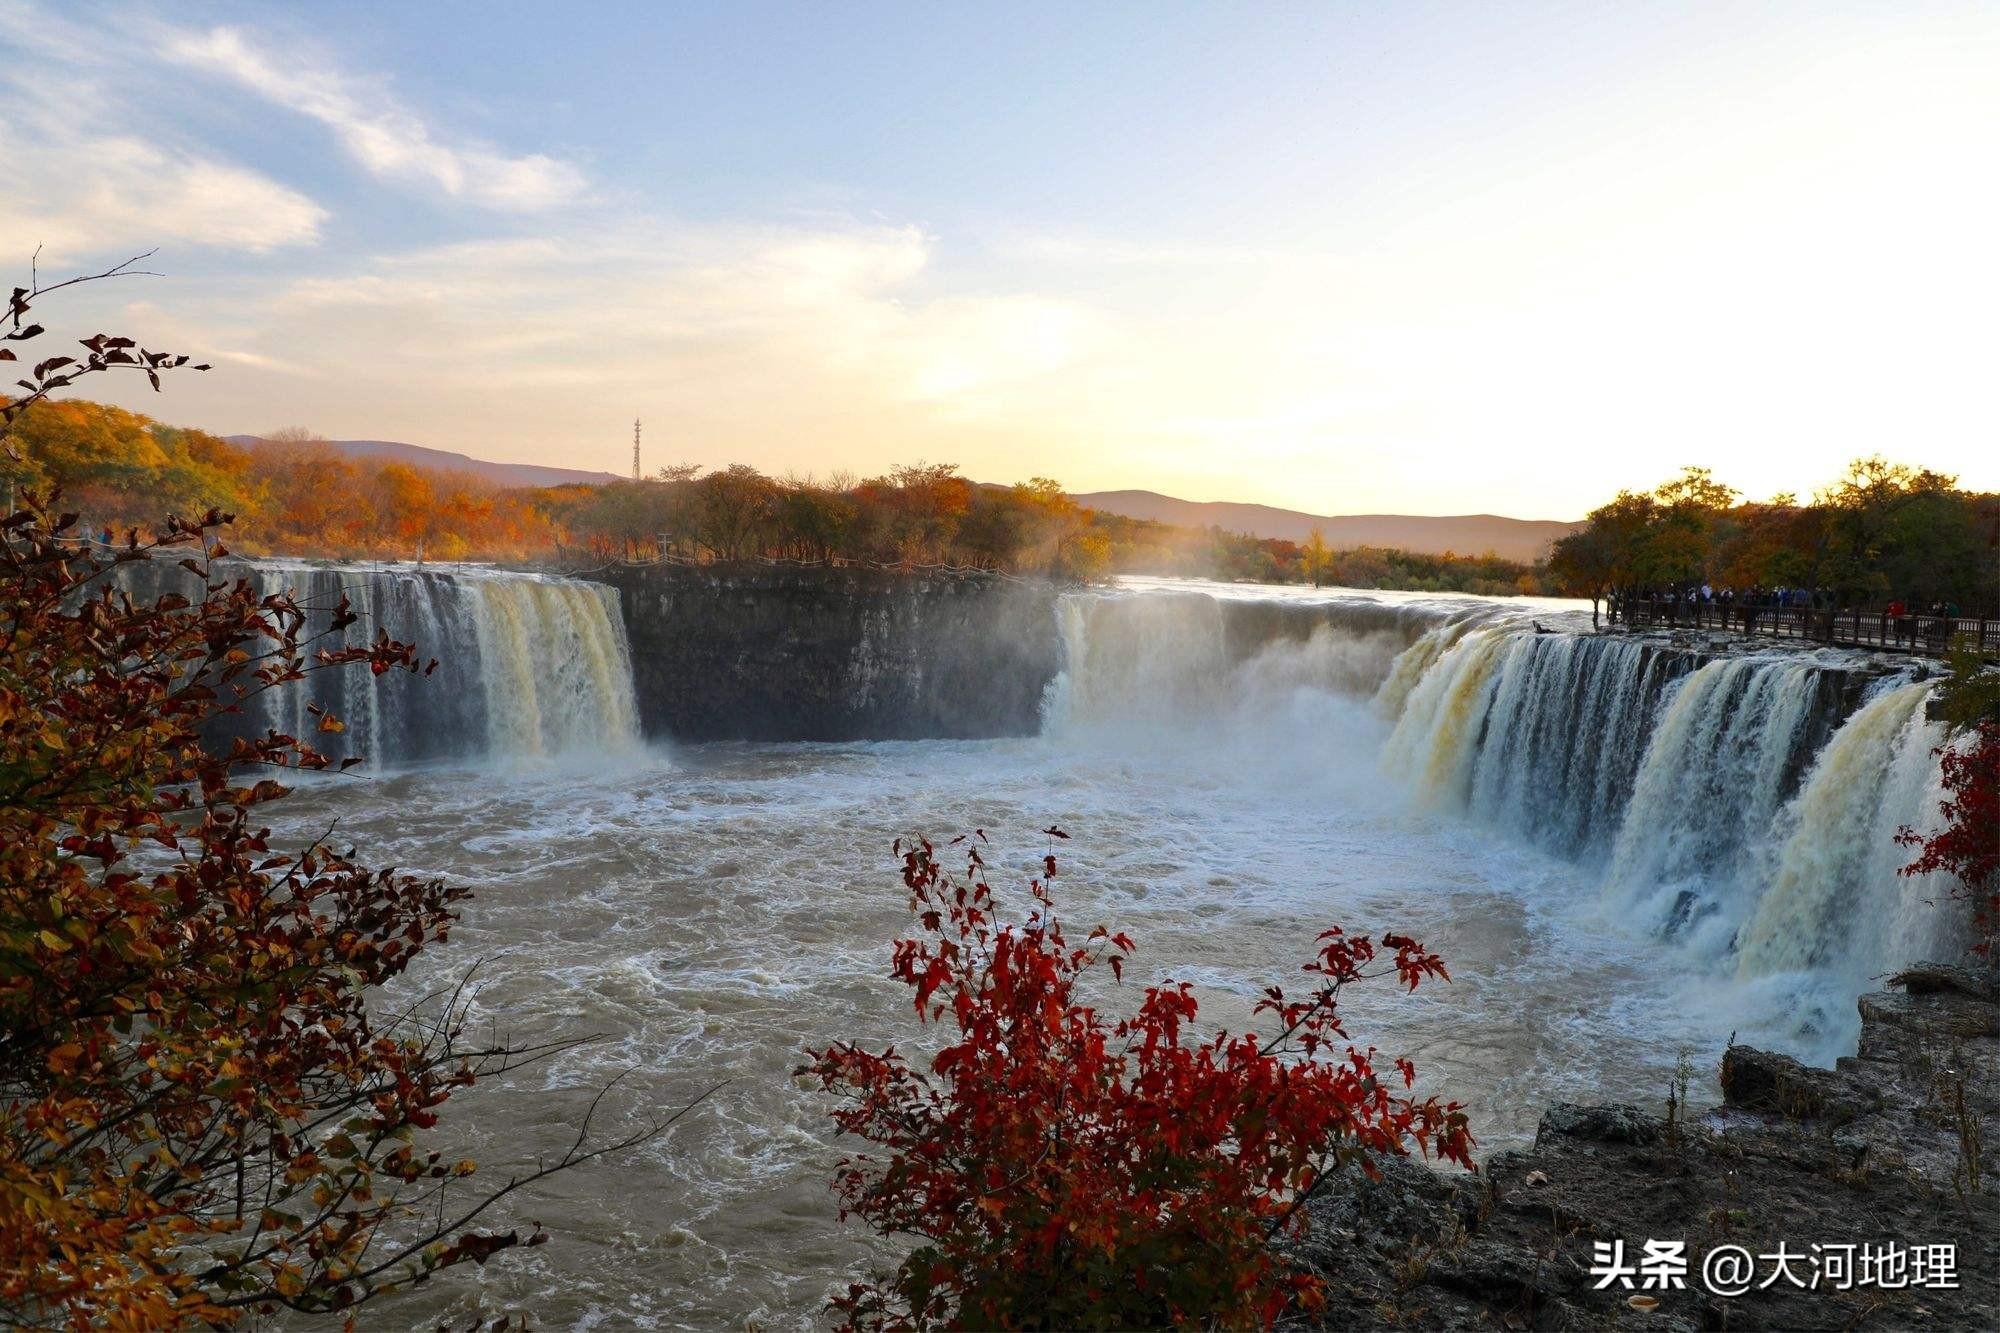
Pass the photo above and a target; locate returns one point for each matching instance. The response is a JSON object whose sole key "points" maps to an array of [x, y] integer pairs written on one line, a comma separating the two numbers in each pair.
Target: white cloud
{"points": [[1767, 267], [795, 348], [387, 139], [79, 195], [784, 306], [83, 184]]}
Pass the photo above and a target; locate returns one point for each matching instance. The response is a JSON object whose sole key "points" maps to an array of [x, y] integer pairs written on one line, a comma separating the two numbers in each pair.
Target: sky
{"points": [[1345, 258]]}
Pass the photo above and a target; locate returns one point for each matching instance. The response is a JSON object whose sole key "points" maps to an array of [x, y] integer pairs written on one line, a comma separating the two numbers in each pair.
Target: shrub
{"points": [[1062, 1169], [1967, 845]]}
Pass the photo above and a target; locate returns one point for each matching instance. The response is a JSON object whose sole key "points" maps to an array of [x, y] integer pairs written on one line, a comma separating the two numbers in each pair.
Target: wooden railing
{"points": [[1852, 627]]}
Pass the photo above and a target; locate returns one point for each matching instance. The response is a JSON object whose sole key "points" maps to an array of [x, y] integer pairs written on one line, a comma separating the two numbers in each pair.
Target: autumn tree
{"points": [[929, 500], [1585, 564], [202, 1114], [1611, 553], [1316, 557], [678, 520], [624, 516], [1052, 534], [1683, 530], [1000, 532], [1891, 531], [734, 508], [812, 521], [1769, 545]]}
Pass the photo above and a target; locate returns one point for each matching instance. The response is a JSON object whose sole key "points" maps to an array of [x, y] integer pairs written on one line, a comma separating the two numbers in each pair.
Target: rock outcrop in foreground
{"points": [[1882, 1154]]}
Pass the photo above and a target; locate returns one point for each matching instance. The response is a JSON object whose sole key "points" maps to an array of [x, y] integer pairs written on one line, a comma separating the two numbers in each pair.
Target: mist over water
{"points": [[1618, 848]]}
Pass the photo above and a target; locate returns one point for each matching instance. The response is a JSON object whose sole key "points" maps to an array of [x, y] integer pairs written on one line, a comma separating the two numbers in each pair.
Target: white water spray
{"points": [[529, 666], [1835, 899]]}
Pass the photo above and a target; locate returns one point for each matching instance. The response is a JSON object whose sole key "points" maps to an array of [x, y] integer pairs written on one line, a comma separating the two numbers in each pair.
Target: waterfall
{"points": [[1835, 900], [1135, 658], [1727, 751], [528, 665], [1411, 664], [1539, 734], [558, 676], [1744, 805], [1436, 737], [1172, 657]]}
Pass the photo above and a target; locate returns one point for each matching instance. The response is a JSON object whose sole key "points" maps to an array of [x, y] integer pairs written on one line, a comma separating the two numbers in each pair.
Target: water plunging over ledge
{"points": [[529, 666], [1618, 843]]}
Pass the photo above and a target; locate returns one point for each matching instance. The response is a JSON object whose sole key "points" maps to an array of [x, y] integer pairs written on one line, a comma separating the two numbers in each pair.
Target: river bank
{"points": [[1875, 1164]]}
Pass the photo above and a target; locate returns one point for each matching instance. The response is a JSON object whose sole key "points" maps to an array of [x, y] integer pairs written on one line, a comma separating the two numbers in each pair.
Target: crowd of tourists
{"points": [[1693, 596], [1901, 623]]}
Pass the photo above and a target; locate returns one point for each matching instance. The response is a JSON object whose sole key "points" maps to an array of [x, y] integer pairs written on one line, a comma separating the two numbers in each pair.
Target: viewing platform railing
{"points": [[1852, 627]]}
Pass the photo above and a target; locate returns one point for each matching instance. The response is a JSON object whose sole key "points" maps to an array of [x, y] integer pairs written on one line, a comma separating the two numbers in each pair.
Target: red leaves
{"points": [[1968, 846], [934, 975], [1064, 1169], [178, 1000]]}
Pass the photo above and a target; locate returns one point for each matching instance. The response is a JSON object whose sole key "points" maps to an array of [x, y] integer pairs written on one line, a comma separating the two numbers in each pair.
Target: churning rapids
{"points": [[1621, 846]]}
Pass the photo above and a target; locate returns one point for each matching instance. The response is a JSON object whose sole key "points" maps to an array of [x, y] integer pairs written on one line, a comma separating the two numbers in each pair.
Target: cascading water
{"points": [[1213, 753], [1563, 775], [1835, 901], [1138, 657], [1177, 656], [1437, 734], [1741, 804], [1411, 665], [555, 668], [528, 665], [1692, 848], [1538, 733]]}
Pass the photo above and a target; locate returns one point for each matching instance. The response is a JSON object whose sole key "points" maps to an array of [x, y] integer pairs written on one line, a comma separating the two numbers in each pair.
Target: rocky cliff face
{"points": [[780, 653], [1883, 1152]]}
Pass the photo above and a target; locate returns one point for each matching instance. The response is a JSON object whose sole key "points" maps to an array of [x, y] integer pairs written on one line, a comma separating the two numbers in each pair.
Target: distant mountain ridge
{"points": [[443, 460], [1523, 539], [1520, 539]]}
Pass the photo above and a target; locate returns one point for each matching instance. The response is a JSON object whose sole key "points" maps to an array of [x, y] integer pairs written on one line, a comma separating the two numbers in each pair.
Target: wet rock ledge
{"points": [[792, 653], [1881, 1151]]}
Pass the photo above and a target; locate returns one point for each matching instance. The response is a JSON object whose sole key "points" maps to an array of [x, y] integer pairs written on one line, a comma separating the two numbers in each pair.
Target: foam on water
{"points": [[718, 912], [1618, 847]]}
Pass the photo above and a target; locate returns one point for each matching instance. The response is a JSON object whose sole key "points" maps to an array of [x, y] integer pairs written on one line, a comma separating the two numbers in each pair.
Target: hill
{"points": [[443, 460], [1522, 539], [1525, 540]]}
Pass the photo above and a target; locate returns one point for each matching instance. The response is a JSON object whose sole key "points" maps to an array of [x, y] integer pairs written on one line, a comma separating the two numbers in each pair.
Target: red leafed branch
{"points": [[202, 1113], [1059, 1167], [1967, 845]]}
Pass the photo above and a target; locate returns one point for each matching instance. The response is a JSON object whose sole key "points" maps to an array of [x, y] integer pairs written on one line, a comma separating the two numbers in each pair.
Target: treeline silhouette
{"points": [[1882, 533], [296, 494]]}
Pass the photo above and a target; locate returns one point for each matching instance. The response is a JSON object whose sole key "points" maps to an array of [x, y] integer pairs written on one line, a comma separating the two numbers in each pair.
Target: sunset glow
{"points": [[1341, 259]]}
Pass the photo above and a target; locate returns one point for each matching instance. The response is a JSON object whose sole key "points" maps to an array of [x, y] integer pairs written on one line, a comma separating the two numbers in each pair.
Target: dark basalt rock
{"points": [[1875, 1151], [1778, 1085], [794, 653], [1599, 1124]]}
